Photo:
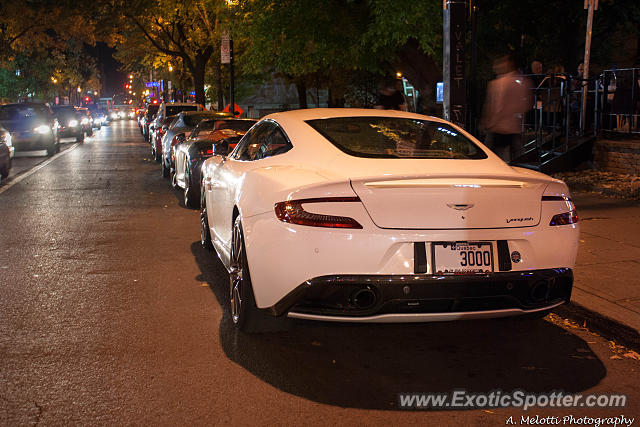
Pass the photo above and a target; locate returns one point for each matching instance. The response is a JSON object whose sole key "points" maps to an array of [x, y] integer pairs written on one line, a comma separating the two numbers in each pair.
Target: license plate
{"points": [[462, 257]]}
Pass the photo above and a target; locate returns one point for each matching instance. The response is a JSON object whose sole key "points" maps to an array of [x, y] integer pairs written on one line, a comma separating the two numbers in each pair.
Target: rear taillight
{"points": [[292, 212], [566, 218]]}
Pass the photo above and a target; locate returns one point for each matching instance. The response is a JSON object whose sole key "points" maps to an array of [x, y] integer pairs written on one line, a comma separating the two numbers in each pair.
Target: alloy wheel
{"points": [[236, 273]]}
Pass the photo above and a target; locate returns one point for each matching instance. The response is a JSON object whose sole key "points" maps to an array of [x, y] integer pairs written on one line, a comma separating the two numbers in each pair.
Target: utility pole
{"points": [[454, 64], [232, 100], [591, 5]]}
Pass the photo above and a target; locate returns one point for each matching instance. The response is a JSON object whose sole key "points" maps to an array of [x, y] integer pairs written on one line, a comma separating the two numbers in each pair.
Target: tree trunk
{"points": [[197, 74], [302, 94], [198, 83]]}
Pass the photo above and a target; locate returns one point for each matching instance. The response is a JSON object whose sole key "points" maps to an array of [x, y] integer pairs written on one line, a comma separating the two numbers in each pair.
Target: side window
{"points": [[264, 140], [276, 143], [248, 147]]}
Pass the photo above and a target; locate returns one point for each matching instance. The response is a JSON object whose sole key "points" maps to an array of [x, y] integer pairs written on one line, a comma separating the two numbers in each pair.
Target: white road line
{"points": [[37, 168]]}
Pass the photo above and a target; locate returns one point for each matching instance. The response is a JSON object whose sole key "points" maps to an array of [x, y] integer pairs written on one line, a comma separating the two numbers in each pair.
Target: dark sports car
{"points": [[190, 154]]}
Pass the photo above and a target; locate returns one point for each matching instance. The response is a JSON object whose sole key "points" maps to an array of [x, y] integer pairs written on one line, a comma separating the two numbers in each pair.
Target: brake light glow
{"points": [[566, 218], [292, 212]]}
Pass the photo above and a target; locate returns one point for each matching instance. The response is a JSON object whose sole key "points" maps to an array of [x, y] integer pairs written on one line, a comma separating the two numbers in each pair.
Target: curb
{"points": [[608, 328], [586, 188]]}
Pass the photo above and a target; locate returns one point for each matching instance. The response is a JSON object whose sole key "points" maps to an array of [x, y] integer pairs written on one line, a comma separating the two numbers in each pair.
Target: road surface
{"points": [[111, 313]]}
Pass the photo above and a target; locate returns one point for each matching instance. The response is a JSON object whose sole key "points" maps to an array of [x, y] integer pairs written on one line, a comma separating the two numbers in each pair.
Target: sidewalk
{"points": [[606, 290]]}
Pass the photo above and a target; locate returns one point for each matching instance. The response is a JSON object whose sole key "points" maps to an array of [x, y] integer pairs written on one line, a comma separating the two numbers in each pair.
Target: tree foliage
{"points": [[152, 31]]}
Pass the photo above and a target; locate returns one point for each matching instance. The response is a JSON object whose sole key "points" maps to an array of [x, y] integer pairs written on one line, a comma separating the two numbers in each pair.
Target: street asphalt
{"points": [[111, 313]]}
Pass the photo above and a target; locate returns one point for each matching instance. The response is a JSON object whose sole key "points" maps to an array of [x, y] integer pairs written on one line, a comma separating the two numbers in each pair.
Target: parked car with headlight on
{"points": [[6, 152], [202, 144], [69, 122], [32, 126], [383, 216]]}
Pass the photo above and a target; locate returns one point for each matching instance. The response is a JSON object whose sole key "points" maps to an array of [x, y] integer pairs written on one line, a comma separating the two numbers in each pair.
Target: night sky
{"points": [[112, 78]]}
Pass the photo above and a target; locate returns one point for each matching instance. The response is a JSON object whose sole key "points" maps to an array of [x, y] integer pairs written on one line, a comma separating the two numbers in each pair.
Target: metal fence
{"points": [[619, 91], [568, 110]]}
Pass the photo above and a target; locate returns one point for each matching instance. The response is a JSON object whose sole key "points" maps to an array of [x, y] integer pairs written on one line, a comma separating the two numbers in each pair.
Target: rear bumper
{"points": [[424, 317], [418, 297]]}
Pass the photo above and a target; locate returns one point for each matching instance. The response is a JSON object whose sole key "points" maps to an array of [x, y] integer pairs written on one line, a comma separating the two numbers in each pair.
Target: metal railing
{"points": [[619, 94], [561, 117]]}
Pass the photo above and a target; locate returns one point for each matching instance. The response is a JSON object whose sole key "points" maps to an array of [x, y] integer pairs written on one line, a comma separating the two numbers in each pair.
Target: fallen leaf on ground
{"points": [[632, 355]]}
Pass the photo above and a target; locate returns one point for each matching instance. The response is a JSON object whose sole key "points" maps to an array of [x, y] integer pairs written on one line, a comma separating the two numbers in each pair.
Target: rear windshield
{"points": [[152, 109], [175, 109], [194, 119], [239, 125], [206, 127], [396, 137]]}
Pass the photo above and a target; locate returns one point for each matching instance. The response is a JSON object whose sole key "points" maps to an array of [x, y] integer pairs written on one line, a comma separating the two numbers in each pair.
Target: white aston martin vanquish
{"points": [[383, 216]]}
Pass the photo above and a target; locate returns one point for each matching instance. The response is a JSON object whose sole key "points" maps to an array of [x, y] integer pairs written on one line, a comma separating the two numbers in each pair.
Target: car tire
{"points": [[156, 155], [165, 169], [245, 315], [205, 233], [52, 148], [190, 198]]}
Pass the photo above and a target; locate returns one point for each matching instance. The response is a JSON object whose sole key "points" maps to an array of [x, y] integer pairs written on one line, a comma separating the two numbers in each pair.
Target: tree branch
{"points": [[153, 41]]}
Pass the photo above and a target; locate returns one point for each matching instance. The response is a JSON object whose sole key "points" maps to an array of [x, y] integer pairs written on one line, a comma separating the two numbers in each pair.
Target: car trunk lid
{"points": [[448, 201]]}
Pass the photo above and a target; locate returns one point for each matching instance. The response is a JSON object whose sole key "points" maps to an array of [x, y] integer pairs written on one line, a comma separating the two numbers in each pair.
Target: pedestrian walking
{"points": [[391, 97], [508, 97]]}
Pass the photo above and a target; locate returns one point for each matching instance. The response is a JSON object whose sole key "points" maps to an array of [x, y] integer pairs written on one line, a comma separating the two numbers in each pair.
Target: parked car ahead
{"points": [[6, 152], [32, 126], [149, 115], [184, 124], [383, 216], [156, 135], [220, 138], [69, 122]]}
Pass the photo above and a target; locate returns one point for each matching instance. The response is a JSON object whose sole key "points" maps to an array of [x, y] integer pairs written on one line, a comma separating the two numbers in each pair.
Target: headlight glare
{"points": [[42, 129]]}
